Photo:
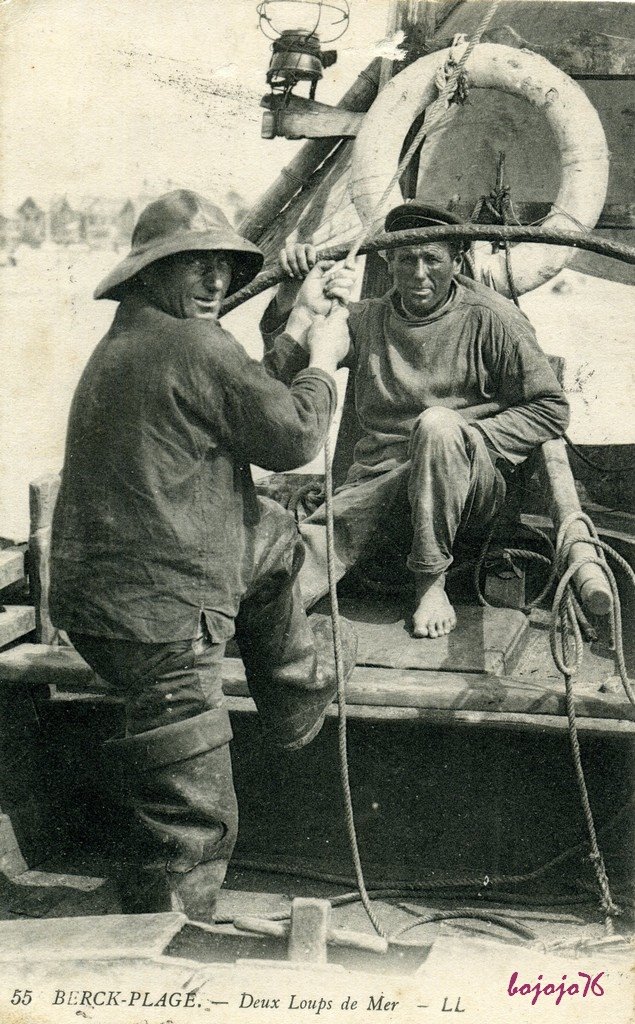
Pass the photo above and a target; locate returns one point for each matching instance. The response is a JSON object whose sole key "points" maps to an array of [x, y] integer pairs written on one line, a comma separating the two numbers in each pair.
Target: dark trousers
{"points": [[449, 482], [173, 765]]}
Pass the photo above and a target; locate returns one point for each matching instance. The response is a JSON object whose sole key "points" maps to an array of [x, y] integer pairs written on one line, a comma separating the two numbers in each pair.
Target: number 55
{"points": [[21, 997]]}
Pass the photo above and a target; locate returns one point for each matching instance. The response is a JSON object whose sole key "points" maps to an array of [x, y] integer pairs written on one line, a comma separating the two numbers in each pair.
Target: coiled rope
{"points": [[566, 643]]}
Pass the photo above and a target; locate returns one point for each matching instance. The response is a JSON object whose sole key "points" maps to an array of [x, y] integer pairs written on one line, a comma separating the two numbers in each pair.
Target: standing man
{"points": [[162, 550], [452, 392]]}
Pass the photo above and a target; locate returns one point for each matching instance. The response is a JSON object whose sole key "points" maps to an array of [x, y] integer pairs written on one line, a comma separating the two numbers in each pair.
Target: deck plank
{"points": [[436, 696], [11, 566], [486, 640], [16, 620], [90, 938], [454, 691]]}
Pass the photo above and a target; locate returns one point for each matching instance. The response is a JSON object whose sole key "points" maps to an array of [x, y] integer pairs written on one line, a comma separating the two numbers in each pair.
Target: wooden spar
{"points": [[293, 177], [592, 586], [307, 119], [404, 14], [42, 497]]}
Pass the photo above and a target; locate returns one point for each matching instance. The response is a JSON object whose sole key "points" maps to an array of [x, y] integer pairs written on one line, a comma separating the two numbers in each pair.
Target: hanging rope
{"points": [[567, 652], [341, 695], [437, 117], [567, 614]]}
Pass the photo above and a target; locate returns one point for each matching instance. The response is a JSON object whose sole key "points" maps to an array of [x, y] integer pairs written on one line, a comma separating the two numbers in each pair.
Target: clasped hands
{"points": [[319, 292]]}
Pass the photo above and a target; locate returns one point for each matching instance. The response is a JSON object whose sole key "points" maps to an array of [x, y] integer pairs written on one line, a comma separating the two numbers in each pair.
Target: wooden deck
{"points": [[494, 671]]}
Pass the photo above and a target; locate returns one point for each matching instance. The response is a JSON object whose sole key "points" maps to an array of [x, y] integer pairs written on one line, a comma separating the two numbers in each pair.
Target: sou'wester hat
{"points": [[181, 221]]}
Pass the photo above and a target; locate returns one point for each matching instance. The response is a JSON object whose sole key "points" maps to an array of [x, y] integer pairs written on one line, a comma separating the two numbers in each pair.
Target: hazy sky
{"points": [[98, 95]]}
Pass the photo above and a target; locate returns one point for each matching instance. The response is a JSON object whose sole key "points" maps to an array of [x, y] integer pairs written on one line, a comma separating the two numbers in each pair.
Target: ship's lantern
{"points": [[298, 29]]}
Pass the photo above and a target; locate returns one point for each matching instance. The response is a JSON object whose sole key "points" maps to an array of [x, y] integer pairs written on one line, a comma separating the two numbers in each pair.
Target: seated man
{"points": [[452, 392], [162, 551]]}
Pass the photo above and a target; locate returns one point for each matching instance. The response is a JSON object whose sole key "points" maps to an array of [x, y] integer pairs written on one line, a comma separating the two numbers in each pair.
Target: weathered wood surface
{"points": [[301, 118], [511, 721], [45, 665], [486, 639], [128, 936], [453, 691], [296, 175], [591, 583], [42, 497], [385, 690], [11, 566], [16, 620]]}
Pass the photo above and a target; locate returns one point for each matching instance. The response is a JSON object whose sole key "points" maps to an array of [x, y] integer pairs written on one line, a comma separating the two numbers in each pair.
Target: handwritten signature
{"points": [[589, 985]]}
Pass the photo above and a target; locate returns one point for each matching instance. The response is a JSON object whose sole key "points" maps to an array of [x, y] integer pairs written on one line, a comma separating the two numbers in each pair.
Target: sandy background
{"points": [[111, 99]]}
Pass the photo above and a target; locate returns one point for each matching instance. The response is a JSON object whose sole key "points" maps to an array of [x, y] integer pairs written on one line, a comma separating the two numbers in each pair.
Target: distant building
{"points": [[9, 233], [125, 223], [31, 223], [108, 223], [100, 216], [67, 225]]}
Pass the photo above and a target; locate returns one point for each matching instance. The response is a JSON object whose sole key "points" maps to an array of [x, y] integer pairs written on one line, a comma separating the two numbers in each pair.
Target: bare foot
{"points": [[434, 615]]}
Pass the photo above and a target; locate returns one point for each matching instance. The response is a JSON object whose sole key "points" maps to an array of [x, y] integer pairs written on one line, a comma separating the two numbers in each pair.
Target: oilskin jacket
{"points": [[154, 524]]}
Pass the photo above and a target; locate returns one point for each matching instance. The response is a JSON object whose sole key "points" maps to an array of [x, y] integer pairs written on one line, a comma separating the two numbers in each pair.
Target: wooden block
{"points": [[308, 932], [15, 621], [113, 937], [11, 566], [486, 640], [507, 721], [42, 497], [39, 664], [12, 862]]}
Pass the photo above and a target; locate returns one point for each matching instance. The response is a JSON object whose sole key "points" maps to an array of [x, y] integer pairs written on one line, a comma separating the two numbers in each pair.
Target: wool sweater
{"points": [[477, 355]]}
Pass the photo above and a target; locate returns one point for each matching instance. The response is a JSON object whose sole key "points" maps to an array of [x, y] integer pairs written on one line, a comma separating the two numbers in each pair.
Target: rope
{"points": [[567, 655], [436, 117], [438, 114], [499, 204], [609, 908], [454, 915], [567, 616], [417, 236], [563, 547], [398, 888], [525, 554], [341, 695]]}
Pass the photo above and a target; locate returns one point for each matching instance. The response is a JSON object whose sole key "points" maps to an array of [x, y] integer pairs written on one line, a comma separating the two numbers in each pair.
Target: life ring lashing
{"points": [[584, 155]]}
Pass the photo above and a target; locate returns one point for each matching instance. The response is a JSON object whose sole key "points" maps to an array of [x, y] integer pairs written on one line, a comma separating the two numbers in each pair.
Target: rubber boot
{"points": [[288, 659], [178, 791], [292, 706]]}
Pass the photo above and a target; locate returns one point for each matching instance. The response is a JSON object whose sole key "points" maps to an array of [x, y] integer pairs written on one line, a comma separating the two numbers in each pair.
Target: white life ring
{"points": [[584, 156]]}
